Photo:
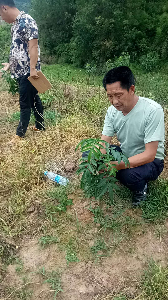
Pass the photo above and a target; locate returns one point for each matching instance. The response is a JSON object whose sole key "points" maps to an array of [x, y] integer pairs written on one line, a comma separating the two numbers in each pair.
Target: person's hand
{"points": [[5, 68], [33, 74]]}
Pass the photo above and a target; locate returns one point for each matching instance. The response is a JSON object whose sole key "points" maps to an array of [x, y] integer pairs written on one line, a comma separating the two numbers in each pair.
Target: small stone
{"points": [[31, 209], [69, 167]]}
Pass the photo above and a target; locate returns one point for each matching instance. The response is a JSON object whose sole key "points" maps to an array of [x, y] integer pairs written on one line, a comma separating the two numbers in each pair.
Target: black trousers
{"points": [[29, 100], [136, 178]]}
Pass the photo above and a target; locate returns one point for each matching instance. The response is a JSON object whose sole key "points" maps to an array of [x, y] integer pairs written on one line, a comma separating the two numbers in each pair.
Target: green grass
{"points": [[155, 283], [155, 209], [71, 255], [53, 278], [45, 241]]}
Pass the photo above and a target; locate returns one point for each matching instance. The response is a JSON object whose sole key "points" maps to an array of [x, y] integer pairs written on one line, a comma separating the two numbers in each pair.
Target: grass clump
{"points": [[59, 201], [45, 241], [53, 278], [155, 209], [154, 283], [71, 255]]}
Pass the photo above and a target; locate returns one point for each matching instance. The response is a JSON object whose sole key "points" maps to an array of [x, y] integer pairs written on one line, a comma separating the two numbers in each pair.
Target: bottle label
{"points": [[57, 178]]}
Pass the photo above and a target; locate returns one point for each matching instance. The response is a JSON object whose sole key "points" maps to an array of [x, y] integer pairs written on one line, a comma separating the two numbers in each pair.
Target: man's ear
{"points": [[132, 89], [4, 8]]}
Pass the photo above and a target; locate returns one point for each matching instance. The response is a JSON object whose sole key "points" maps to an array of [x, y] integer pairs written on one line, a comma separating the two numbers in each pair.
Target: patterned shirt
{"points": [[23, 30]]}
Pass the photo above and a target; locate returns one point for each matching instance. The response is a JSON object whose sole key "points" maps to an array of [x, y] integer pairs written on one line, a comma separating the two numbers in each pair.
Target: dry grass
{"points": [[23, 200]]}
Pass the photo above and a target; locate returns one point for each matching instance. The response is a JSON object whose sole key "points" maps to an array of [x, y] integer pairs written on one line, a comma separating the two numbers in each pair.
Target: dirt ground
{"points": [[87, 279]]}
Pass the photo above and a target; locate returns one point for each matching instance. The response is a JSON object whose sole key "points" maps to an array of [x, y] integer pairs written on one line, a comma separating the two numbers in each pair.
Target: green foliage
{"points": [[100, 248], [59, 202], [52, 117], [71, 255], [54, 19], [14, 117], [54, 280], [156, 207], [154, 282], [95, 33], [19, 265], [122, 60], [45, 241], [5, 40], [150, 61], [99, 177], [13, 86]]}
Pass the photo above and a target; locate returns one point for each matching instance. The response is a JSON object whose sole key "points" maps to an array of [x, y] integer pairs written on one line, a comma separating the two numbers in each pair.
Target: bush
{"points": [[149, 62]]}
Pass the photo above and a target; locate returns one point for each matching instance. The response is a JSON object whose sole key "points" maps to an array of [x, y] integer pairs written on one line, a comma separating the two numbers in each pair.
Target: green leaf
{"points": [[91, 169]]}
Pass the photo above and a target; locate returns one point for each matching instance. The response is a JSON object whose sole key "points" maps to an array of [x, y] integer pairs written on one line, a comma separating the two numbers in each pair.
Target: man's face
{"points": [[120, 98], [4, 13]]}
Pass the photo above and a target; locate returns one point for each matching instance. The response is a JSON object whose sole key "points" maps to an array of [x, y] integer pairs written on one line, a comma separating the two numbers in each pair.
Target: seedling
{"points": [[99, 174], [54, 280], [45, 241]]}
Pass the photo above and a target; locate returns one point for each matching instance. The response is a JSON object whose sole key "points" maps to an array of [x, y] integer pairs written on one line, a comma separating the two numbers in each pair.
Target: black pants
{"points": [[29, 99], [136, 178]]}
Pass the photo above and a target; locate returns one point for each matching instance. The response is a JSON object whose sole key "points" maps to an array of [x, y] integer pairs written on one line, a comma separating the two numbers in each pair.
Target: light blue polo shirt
{"points": [[142, 125]]}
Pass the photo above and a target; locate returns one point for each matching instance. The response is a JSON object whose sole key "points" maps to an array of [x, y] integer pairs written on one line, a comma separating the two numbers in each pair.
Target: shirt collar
{"points": [[18, 17]]}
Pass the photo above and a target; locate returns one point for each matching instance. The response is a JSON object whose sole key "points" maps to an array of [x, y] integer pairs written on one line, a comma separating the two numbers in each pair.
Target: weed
{"points": [[51, 117], [156, 207], [71, 255], [19, 265], [14, 117], [45, 241], [13, 87], [59, 203], [54, 280], [154, 282], [100, 248]]}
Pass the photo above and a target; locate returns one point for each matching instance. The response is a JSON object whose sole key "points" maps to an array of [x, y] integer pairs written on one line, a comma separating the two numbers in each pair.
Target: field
{"points": [[55, 243]]}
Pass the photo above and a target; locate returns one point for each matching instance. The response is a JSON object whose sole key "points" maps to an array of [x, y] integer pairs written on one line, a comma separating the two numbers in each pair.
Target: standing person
{"points": [[24, 61], [138, 123]]}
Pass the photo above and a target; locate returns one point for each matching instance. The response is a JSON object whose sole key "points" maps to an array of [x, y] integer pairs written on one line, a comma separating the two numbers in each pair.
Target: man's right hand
{"points": [[5, 68]]}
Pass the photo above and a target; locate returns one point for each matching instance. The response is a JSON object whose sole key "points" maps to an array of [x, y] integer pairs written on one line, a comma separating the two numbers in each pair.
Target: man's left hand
{"points": [[33, 74]]}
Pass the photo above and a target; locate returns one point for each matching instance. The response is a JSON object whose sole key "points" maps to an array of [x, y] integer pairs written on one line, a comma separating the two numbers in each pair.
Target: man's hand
{"points": [[33, 74], [5, 68]]}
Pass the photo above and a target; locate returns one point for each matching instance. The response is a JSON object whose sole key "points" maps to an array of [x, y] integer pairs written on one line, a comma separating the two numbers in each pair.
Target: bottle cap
{"points": [[45, 173]]}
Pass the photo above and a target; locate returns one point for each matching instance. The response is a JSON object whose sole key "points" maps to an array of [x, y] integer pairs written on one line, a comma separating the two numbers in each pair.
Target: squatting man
{"points": [[138, 123], [24, 61]]}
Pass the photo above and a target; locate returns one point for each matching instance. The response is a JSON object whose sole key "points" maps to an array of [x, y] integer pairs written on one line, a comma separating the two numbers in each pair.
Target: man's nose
{"points": [[115, 101]]}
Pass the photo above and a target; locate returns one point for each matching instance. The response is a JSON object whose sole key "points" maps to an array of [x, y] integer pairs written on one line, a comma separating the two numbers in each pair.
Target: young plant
{"points": [[12, 83], [99, 173]]}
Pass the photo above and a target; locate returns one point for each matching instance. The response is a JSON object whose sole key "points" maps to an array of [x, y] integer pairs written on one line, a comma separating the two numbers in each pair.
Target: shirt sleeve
{"points": [[108, 128], [154, 129], [31, 29]]}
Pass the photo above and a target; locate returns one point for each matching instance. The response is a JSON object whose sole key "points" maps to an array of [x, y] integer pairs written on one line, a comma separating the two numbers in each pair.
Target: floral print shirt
{"points": [[23, 30]]}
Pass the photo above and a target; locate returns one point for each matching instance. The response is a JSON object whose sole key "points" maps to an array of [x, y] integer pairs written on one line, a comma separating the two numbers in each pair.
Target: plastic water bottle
{"points": [[56, 178]]}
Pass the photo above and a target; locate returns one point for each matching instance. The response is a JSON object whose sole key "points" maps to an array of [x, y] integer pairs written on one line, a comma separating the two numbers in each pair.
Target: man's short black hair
{"points": [[10, 3], [122, 74]]}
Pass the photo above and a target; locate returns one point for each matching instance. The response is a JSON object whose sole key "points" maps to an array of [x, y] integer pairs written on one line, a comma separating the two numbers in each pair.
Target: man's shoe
{"points": [[37, 129], [139, 196]]}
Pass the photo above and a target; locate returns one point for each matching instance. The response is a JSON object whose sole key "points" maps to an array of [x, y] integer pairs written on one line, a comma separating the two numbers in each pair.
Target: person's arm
{"points": [[106, 139], [33, 51], [140, 159]]}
